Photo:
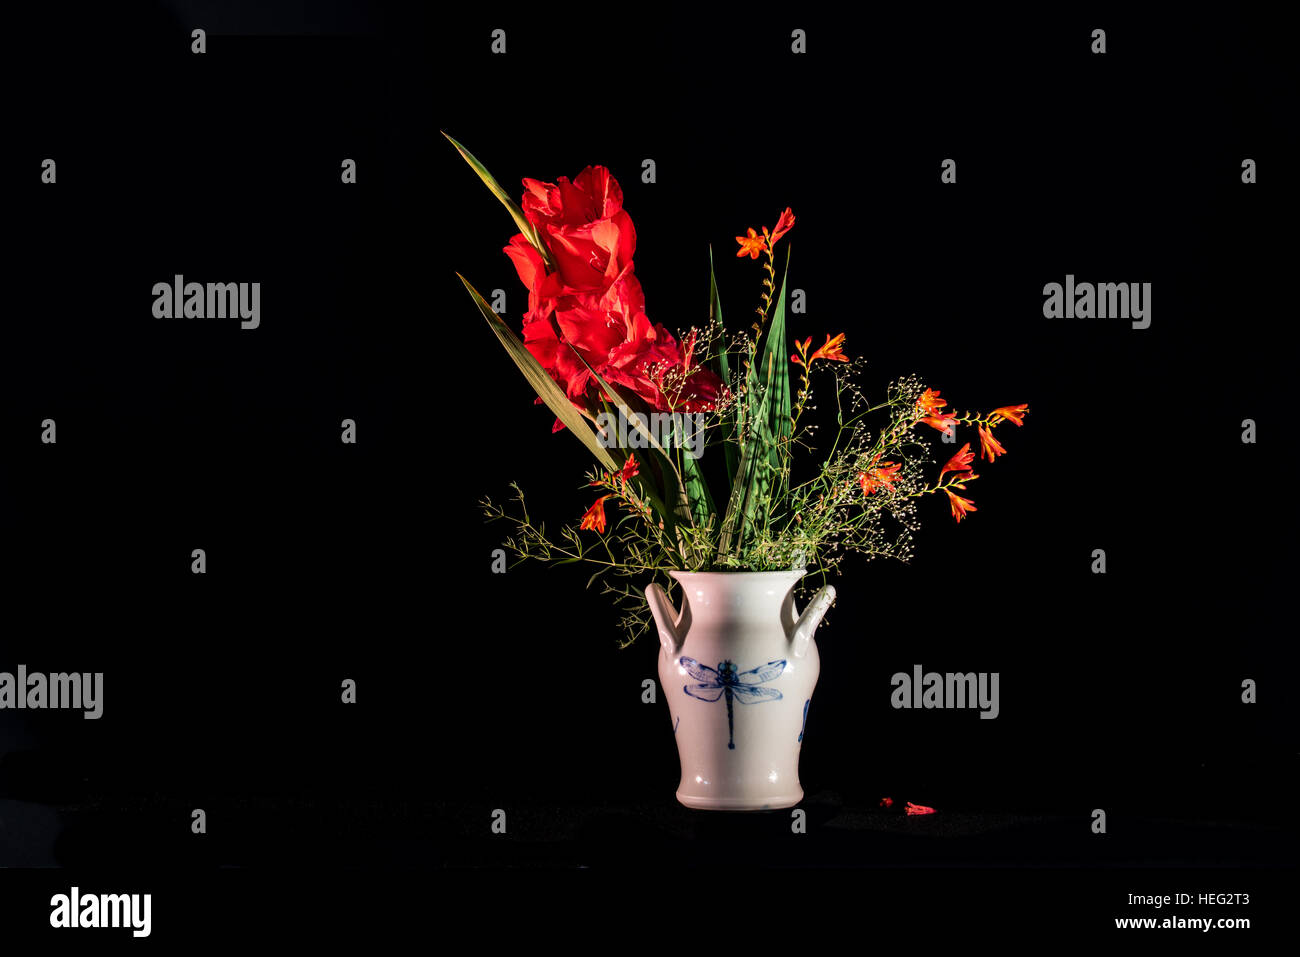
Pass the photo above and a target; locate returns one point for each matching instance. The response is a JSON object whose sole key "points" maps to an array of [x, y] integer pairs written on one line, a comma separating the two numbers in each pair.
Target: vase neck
{"points": [[740, 597]]}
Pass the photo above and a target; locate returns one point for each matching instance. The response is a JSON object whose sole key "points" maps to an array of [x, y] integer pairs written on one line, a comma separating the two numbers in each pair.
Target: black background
{"points": [[479, 691]]}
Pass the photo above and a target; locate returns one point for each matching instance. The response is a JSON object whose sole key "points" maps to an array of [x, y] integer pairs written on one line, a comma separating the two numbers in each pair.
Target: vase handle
{"points": [[810, 619], [667, 618]]}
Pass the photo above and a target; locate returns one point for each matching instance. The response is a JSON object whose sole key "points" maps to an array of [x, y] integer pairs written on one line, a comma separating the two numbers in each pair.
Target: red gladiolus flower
{"points": [[990, 446], [594, 519], [1012, 413], [886, 802], [960, 506], [585, 227], [959, 462], [928, 402], [751, 245], [783, 225], [914, 809], [591, 308]]}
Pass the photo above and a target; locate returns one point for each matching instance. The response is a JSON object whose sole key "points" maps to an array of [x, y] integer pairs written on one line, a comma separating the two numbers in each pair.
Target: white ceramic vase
{"points": [[738, 665]]}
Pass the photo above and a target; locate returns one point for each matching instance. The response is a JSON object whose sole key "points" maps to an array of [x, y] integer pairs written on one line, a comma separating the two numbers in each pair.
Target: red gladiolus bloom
{"points": [[1012, 413], [886, 802], [914, 809], [960, 506], [585, 227], [591, 309], [990, 446], [594, 519], [783, 225], [753, 244], [959, 462]]}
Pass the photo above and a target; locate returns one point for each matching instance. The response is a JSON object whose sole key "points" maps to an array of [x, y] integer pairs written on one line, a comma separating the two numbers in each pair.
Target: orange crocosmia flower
{"points": [[1012, 413], [630, 468], [959, 462], [947, 424], [831, 350], [783, 225], [594, 520], [960, 506], [928, 402], [799, 359], [753, 244], [882, 476], [990, 446]]}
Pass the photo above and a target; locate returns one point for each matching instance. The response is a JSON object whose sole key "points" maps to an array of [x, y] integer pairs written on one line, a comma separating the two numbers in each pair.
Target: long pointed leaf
{"points": [[528, 229], [729, 535], [674, 486], [759, 475], [766, 434], [698, 497], [669, 515], [729, 450], [672, 479], [541, 381], [779, 422]]}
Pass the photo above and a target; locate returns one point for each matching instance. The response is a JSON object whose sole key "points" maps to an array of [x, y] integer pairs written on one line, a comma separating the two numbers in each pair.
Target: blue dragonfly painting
{"points": [[727, 681]]}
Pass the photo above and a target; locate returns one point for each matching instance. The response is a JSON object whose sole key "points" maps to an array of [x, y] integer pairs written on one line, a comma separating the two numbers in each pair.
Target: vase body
{"points": [[738, 665]]}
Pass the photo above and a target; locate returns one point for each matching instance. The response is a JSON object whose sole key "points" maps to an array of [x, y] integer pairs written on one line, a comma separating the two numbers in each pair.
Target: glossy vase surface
{"points": [[738, 665]]}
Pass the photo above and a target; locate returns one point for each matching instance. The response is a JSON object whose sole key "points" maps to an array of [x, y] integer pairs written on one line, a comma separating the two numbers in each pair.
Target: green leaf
{"points": [[729, 535], [729, 450], [675, 487], [541, 381], [759, 474], [633, 419], [765, 442], [779, 421], [528, 229], [698, 497], [715, 317], [649, 492], [673, 484]]}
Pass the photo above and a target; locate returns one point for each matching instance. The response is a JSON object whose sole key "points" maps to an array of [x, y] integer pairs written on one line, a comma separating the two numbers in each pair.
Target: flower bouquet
{"points": [[739, 528], [649, 406]]}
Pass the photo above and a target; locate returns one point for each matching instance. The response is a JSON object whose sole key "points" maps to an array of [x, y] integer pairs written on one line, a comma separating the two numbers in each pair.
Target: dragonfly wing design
{"points": [[762, 673], [709, 692], [751, 695], [698, 671]]}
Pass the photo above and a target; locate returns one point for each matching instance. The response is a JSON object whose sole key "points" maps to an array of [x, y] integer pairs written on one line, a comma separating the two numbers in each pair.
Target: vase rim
{"points": [[781, 573]]}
